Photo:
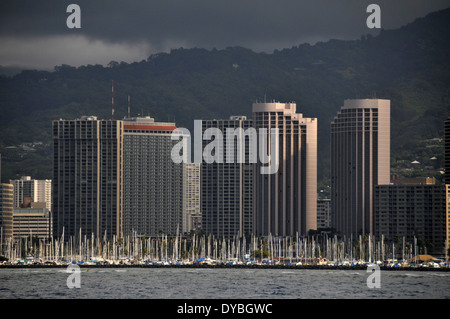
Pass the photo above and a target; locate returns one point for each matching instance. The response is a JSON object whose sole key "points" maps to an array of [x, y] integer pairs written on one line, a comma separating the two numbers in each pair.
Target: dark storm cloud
{"points": [[262, 25]]}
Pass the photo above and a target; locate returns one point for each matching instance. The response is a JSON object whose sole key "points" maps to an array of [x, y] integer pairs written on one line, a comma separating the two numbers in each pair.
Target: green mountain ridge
{"points": [[409, 66]]}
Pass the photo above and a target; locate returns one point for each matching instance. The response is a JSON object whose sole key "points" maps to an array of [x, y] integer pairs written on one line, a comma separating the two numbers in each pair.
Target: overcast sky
{"points": [[34, 34]]}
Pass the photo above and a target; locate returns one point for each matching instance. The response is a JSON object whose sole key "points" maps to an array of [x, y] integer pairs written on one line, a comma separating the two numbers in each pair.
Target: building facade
{"points": [[286, 200], [227, 182], [412, 211], [323, 213], [35, 221], [6, 212], [36, 190], [87, 177], [153, 183], [360, 159], [192, 216]]}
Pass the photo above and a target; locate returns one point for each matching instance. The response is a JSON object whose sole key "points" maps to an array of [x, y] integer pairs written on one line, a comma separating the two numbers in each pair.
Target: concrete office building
{"points": [[6, 212], [286, 201], [360, 159], [412, 211], [323, 213], [153, 183], [227, 184], [35, 221], [87, 177], [36, 190]]}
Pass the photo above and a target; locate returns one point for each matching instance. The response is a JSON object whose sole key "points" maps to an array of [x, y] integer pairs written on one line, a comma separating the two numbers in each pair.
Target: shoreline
{"points": [[224, 266]]}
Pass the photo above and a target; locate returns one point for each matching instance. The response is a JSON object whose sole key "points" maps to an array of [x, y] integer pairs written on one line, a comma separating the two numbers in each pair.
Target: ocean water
{"points": [[210, 283]]}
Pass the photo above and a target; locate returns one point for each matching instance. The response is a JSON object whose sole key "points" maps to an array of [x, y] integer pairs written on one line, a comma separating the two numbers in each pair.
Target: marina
{"points": [[192, 267], [315, 252]]}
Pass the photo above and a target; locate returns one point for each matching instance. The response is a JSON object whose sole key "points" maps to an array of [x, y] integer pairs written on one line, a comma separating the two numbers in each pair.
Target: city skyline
{"points": [[373, 106], [318, 164], [368, 158]]}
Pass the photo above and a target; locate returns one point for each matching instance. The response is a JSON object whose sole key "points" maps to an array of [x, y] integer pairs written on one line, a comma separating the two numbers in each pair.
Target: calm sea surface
{"points": [[173, 283]]}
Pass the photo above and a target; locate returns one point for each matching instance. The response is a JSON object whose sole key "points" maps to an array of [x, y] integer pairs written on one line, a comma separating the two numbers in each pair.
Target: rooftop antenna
{"points": [[128, 106], [112, 100]]}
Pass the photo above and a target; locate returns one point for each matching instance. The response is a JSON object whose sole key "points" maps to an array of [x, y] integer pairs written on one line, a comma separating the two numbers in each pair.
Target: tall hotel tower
{"points": [[153, 183], [360, 159], [227, 188], [87, 177], [286, 201]]}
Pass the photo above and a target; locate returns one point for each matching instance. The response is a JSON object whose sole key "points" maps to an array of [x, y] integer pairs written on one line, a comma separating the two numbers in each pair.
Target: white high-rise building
{"points": [[34, 189], [153, 183]]}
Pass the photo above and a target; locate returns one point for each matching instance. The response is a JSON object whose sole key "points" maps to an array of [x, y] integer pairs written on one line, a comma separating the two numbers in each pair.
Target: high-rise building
{"points": [[286, 200], [192, 216], [411, 211], [360, 159], [87, 177], [6, 212], [33, 189], [153, 183], [227, 183]]}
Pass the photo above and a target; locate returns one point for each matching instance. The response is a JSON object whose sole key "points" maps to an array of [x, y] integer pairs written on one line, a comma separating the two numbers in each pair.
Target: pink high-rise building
{"points": [[360, 159], [286, 201]]}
